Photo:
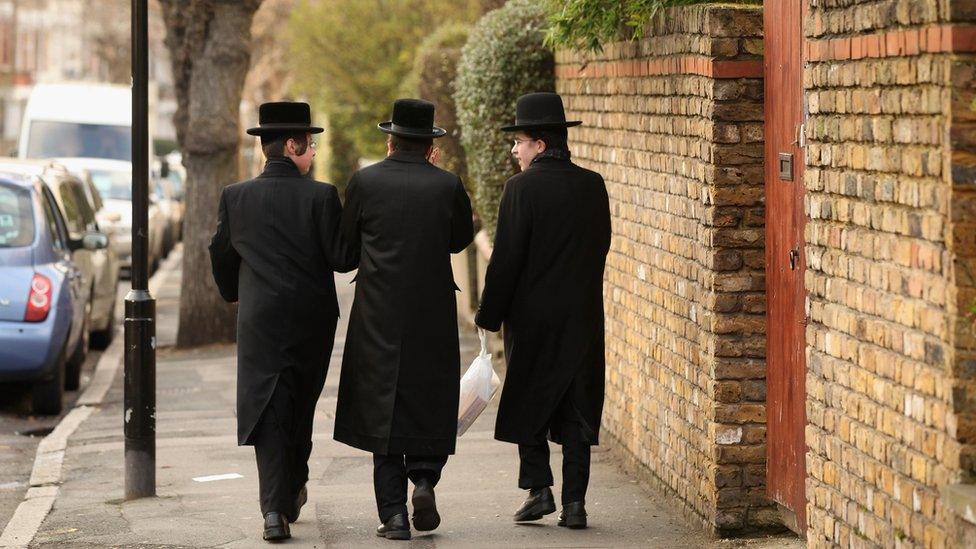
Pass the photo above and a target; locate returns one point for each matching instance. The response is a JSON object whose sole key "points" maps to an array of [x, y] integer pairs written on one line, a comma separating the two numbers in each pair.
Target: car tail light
{"points": [[39, 299]]}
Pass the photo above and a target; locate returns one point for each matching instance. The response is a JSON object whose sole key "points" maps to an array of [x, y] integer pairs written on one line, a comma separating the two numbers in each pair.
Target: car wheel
{"points": [[72, 374], [47, 395], [101, 339]]}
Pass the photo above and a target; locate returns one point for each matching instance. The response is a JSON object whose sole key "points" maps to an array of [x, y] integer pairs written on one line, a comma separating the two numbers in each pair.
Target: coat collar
{"points": [[414, 157], [280, 167], [546, 162]]}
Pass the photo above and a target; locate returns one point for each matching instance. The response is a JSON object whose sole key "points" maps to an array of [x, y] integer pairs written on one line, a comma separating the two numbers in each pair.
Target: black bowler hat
{"points": [[284, 117], [412, 118], [543, 110]]}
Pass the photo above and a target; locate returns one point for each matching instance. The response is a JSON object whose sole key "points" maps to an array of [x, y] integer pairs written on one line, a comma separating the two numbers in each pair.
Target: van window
{"points": [[16, 217], [71, 139]]}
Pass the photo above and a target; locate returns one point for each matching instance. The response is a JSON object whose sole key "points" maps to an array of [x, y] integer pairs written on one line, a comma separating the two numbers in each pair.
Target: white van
{"points": [[78, 120]]}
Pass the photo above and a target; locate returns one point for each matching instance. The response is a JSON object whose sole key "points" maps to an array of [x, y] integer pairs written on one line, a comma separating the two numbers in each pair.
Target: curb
{"points": [[45, 479]]}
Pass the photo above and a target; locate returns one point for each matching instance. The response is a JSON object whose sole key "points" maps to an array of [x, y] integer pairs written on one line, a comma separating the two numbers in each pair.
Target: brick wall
{"points": [[888, 236], [674, 124]]}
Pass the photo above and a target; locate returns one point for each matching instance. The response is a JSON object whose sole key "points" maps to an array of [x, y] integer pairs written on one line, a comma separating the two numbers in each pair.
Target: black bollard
{"points": [[140, 308]]}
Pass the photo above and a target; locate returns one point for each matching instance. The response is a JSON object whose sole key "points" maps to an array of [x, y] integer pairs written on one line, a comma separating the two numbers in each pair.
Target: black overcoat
{"points": [[545, 283], [275, 251], [398, 390]]}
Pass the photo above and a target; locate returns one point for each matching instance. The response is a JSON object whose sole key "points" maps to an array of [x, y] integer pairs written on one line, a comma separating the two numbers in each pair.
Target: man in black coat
{"points": [[545, 283], [275, 251], [398, 390]]}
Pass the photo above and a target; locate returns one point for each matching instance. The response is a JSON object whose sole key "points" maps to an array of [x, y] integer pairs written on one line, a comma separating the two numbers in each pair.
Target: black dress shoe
{"points": [[537, 505], [425, 516], [395, 528], [573, 516], [300, 501], [276, 527]]}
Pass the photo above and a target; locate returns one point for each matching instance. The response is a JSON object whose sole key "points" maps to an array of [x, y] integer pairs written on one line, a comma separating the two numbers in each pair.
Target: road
{"points": [[21, 432]]}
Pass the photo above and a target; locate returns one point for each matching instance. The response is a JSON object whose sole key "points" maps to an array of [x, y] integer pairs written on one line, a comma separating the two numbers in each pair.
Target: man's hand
{"points": [[435, 156]]}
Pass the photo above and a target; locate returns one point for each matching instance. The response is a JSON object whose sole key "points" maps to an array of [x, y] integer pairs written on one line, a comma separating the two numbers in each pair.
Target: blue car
{"points": [[42, 296]]}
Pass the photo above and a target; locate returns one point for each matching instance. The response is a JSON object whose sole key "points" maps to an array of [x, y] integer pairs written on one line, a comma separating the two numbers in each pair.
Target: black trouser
{"points": [[390, 474], [282, 446], [534, 470]]}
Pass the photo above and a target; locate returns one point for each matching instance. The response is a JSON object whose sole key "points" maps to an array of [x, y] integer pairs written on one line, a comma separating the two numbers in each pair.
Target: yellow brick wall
{"points": [[882, 274], [681, 151]]}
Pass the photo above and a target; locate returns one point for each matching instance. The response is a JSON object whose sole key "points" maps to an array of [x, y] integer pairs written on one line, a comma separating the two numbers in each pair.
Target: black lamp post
{"points": [[140, 307]]}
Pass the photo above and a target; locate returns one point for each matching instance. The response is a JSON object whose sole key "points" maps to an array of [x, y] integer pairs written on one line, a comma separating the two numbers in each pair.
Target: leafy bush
{"points": [[349, 58], [434, 71], [588, 24], [503, 59]]}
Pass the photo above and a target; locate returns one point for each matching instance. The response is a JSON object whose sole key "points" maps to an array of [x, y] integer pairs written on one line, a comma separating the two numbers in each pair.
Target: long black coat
{"points": [[275, 251], [545, 283], [398, 391]]}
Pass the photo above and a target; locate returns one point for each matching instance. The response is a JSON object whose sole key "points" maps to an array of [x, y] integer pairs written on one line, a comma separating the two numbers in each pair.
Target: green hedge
{"points": [[503, 59], [432, 78]]}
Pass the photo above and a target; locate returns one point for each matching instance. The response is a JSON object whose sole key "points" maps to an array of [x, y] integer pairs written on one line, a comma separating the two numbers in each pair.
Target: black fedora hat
{"points": [[541, 110], [412, 118], [282, 117]]}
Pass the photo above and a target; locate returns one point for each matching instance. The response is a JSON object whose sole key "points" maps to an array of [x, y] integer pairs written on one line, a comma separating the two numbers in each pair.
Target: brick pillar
{"points": [[674, 124]]}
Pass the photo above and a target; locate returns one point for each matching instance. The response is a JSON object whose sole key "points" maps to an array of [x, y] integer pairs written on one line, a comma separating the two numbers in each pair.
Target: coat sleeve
{"points": [[224, 259], [342, 257], [351, 220], [507, 259], [462, 224]]}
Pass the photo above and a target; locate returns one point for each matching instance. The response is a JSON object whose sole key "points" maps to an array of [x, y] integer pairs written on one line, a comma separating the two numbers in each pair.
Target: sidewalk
{"points": [[196, 438]]}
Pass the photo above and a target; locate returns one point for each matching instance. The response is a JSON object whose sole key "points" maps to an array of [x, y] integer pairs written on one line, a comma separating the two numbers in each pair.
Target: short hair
{"points": [[273, 144], [554, 138], [410, 144]]}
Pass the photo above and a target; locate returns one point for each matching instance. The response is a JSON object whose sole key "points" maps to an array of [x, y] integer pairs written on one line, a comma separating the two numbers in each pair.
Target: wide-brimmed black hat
{"points": [[540, 111], [284, 117], [412, 118]]}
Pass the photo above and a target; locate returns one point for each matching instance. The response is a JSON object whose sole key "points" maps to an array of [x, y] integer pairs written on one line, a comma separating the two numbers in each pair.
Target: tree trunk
{"points": [[210, 46]]}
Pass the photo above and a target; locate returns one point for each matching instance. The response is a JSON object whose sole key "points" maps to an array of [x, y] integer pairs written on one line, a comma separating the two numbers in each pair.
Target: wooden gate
{"points": [[785, 264]]}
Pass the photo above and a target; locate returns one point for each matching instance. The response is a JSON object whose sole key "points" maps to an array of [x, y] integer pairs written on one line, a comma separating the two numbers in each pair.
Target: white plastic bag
{"points": [[477, 387]]}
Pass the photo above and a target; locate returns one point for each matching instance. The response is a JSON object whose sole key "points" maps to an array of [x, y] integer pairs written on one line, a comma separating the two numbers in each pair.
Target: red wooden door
{"points": [[785, 341]]}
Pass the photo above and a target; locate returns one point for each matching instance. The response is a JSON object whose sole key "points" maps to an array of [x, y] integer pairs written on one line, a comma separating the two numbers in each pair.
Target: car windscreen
{"points": [[71, 139], [16, 217], [116, 185]]}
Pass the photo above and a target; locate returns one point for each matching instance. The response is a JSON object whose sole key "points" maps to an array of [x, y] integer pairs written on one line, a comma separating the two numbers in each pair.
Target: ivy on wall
{"points": [[586, 25]]}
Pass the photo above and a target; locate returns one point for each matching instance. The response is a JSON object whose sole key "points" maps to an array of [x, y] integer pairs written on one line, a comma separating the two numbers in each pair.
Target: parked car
{"points": [[100, 267], [164, 197], [171, 177], [44, 300], [106, 262], [113, 179]]}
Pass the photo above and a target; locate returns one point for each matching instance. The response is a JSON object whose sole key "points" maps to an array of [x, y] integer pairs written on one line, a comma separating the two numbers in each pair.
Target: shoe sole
{"points": [[425, 515], [536, 513], [395, 535]]}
